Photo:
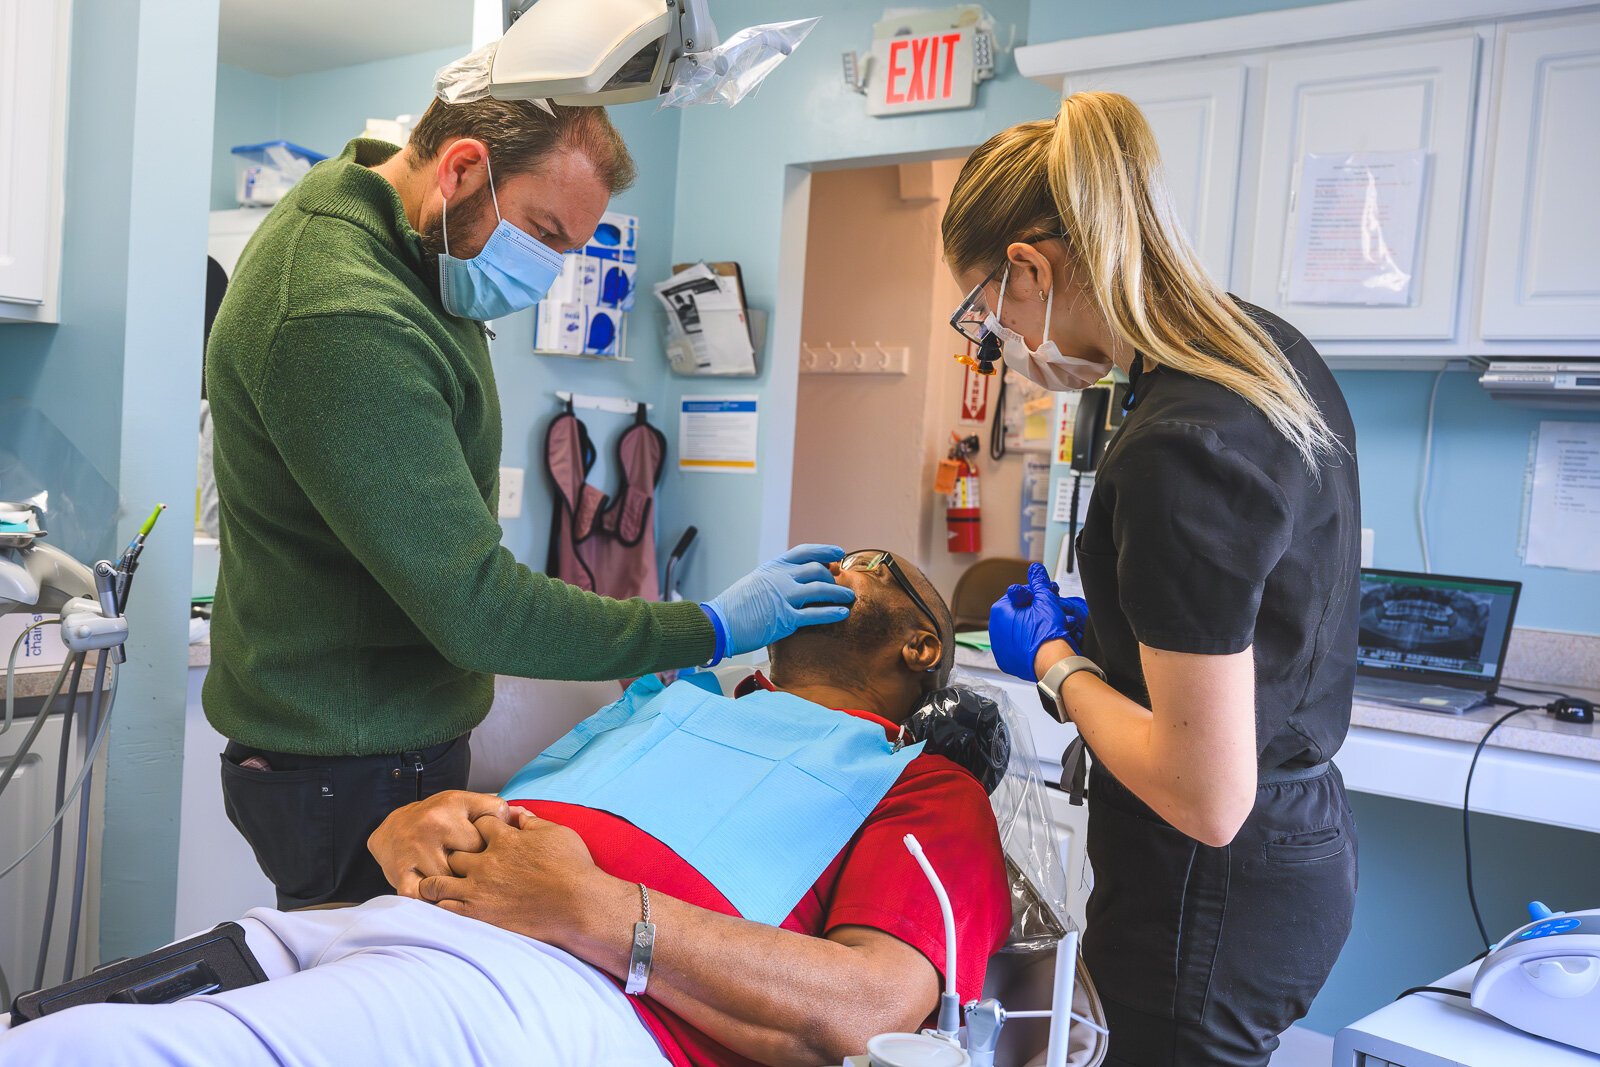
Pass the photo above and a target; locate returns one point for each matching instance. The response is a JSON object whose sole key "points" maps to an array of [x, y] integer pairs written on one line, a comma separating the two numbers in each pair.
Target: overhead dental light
{"points": [[598, 52]]}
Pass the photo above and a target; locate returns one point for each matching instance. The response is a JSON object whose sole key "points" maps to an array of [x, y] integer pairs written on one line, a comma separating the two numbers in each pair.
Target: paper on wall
{"points": [[717, 433], [1564, 507], [707, 329], [1357, 218], [1061, 498]]}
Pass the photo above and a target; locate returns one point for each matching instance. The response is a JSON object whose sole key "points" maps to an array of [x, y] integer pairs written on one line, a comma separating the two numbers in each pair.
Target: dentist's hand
{"points": [[1029, 615], [777, 598]]}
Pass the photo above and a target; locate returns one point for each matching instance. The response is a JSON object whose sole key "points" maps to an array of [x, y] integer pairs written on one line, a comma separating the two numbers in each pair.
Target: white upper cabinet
{"points": [[1541, 269], [1414, 93], [33, 36], [1197, 113]]}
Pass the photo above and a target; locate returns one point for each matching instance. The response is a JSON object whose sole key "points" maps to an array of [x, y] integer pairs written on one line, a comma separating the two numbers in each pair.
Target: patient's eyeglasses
{"points": [[872, 560]]}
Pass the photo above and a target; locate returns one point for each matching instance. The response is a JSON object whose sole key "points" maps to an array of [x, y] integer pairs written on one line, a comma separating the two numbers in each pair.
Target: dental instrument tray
{"points": [[212, 962]]}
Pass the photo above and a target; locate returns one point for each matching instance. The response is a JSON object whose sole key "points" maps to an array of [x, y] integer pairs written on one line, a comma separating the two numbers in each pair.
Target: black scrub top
{"points": [[1208, 533]]}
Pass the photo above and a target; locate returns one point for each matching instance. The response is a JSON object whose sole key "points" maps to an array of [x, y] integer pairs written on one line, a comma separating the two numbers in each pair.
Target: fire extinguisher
{"points": [[963, 519]]}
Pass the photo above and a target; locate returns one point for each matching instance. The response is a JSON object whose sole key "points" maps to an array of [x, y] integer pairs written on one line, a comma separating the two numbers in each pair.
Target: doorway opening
{"points": [[881, 394]]}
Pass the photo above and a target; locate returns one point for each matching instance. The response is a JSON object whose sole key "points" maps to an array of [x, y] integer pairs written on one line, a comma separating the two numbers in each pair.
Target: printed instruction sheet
{"points": [[717, 433], [1564, 506], [1357, 217]]}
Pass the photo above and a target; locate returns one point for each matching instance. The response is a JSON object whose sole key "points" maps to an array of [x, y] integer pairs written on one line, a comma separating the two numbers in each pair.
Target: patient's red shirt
{"points": [[873, 882]]}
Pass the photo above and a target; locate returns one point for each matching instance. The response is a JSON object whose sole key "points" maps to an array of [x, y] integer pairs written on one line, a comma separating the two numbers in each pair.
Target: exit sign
{"points": [[930, 72]]}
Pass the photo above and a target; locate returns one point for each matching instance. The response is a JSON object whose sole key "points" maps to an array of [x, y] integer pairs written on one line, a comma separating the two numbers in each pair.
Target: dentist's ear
{"points": [[1031, 272]]}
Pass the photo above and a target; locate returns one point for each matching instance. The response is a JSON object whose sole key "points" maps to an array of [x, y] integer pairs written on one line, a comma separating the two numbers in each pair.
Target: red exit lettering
{"points": [[930, 74]]}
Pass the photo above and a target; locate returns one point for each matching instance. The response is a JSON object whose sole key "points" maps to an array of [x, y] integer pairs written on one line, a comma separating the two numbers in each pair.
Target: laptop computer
{"points": [[1432, 641]]}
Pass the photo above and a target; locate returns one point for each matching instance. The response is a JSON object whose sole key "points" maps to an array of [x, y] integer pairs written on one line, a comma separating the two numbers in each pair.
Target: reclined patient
{"points": [[791, 923]]}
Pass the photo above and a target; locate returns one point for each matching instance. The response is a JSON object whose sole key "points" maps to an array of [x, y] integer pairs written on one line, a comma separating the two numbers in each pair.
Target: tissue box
{"points": [[614, 284], [602, 331], [579, 281], [43, 648], [616, 238], [559, 327]]}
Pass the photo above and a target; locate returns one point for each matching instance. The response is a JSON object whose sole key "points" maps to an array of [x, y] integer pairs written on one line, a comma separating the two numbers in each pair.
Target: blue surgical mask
{"points": [[513, 271]]}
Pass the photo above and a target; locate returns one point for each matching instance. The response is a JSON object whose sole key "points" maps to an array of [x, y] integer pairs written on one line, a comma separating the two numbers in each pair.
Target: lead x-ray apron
{"points": [[757, 795]]}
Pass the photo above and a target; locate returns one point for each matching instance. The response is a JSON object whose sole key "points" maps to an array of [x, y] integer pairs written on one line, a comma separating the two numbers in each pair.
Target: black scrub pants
{"points": [[309, 817], [1205, 955]]}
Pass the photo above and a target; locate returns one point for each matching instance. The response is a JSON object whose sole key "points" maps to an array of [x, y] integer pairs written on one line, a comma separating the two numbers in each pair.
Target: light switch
{"points": [[511, 492], [1367, 537]]}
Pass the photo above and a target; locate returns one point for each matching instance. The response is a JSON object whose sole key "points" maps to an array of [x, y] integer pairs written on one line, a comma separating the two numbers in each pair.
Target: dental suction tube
{"points": [[949, 1002]]}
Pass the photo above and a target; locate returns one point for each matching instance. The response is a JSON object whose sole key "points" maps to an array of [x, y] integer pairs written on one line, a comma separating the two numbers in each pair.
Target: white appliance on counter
{"points": [[1544, 977], [1534, 1001]]}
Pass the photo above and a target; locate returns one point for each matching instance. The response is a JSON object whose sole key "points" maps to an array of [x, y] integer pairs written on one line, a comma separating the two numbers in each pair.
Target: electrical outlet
{"points": [[1367, 537], [511, 492]]}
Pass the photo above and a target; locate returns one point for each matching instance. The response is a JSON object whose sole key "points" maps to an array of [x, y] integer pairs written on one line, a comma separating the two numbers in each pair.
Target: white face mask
{"points": [[1044, 365]]}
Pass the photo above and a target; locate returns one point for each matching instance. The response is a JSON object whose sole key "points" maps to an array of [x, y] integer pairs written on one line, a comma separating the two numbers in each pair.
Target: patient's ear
{"points": [[922, 652]]}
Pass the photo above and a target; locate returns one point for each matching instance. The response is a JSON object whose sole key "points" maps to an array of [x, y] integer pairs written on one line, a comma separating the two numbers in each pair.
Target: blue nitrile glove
{"points": [[1026, 617], [1077, 613], [777, 598]]}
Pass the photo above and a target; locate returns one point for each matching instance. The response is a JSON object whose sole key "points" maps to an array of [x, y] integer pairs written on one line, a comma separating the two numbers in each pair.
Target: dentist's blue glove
{"points": [[1029, 615], [777, 598]]}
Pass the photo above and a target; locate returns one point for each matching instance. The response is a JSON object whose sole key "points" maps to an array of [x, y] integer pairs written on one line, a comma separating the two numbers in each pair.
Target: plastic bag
{"points": [[966, 727], [976, 726], [733, 69], [467, 79]]}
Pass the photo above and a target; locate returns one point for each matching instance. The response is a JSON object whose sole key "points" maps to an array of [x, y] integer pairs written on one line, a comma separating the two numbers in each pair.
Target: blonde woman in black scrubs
{"points": [[1219, 561]]}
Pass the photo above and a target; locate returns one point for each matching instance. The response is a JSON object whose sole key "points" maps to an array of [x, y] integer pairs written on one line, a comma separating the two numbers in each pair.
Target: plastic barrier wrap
{"points": [[975, 725]]}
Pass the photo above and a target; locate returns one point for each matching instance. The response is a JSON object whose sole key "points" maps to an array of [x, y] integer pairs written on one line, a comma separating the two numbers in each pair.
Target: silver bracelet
{"points": [[644, 946]]}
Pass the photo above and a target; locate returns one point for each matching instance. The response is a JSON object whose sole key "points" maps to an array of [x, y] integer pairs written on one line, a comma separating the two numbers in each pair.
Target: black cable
{"points": [[1072, 523], [997, 429], [1434, 989], [1466, 812], [62, 761]]}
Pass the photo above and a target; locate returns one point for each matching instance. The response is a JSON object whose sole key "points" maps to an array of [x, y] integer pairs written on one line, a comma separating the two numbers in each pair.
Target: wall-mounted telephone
{"points": [[1099, 414]]}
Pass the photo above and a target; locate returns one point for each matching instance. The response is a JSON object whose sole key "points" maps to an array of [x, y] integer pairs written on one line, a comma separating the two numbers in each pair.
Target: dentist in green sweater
{"points": [[365, 601]]}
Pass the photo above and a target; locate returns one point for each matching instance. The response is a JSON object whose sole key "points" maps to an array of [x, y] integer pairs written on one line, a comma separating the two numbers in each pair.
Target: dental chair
{"points": [[1021, 977]]}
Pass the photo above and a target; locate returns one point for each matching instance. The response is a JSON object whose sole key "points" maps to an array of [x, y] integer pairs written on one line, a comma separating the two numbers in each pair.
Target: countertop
{"points": [[35, 682], [1529, 732], [1532, 731]]}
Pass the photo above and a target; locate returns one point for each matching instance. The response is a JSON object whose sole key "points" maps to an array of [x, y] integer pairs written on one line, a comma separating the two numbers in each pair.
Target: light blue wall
{"points": [[125, 357], [528, 382], [1475, 506], [320, 111], [247, 113], [1053, 20], [324, 109], [739, 171]]}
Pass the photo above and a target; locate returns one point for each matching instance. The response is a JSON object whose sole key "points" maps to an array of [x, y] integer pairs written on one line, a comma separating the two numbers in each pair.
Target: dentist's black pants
{"points": [[1205, 955], [308, 817]]}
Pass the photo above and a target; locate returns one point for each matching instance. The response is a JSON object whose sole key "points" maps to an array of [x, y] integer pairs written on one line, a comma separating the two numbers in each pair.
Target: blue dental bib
{"points": [[758, 795]]}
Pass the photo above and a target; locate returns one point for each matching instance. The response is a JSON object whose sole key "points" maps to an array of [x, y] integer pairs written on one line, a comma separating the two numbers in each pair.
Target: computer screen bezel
{"points": [[1457, 681]]}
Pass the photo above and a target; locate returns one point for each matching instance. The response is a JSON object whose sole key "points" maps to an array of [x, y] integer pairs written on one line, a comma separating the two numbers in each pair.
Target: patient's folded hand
{"points": [[415, 841]]}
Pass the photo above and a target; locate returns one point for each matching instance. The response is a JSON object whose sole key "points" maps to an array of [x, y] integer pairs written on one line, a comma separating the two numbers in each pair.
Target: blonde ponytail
{"points": [[1092, 176]]}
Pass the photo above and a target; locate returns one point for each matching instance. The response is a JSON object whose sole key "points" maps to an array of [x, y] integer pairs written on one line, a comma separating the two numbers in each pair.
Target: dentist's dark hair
{"points": [[521, 135]]}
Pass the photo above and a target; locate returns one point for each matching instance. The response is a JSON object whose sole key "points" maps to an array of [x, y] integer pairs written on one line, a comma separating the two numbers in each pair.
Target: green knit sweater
{"points": [[365, 601]]}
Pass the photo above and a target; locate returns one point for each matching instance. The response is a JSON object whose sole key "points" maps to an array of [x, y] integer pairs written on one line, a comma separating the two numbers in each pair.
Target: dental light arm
{"points": [[600, 52]]}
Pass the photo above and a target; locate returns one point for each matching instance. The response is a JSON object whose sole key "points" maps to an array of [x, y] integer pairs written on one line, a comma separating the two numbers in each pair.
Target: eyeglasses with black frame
{"points": [[871, 560], [969, 316]]}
